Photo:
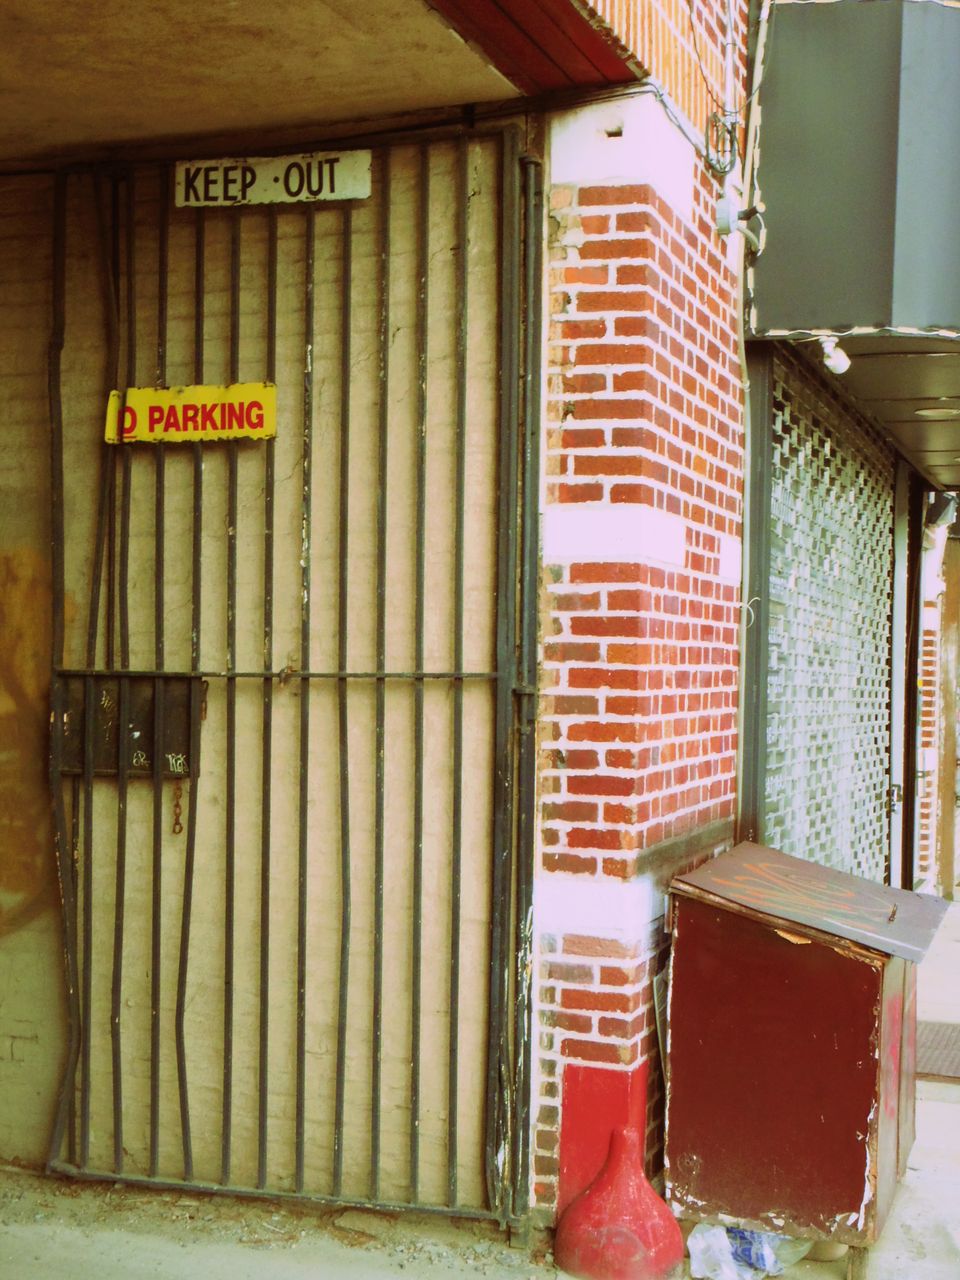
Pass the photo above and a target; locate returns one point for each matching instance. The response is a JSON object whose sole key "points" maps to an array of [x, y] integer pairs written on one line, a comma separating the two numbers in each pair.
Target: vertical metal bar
{"points": [[163, 274], [196, 619], [159, 726], [105, 504], [898, 672], [106, 501], [188, 872], [379, 772], [86, 1016], [230, 798], [73, 1006], [343, 693], [305, 561], [526, 763], [267, 765], [755, 625], [65, 852], [116, 987], [498, 1114], [66, 1099], [114, 313], [423, 254], [123, 733], [456, 872], [55, 401]]}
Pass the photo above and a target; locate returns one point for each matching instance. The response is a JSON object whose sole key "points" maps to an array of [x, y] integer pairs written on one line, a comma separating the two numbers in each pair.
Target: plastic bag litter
{"points": [[733, 1253], [756, 1249], [790, 1250], [711, 1255]]}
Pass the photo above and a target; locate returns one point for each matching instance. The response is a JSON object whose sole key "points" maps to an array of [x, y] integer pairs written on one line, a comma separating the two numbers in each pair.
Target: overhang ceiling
{"points": [[76, 79], [912, 387], [80, 80]]}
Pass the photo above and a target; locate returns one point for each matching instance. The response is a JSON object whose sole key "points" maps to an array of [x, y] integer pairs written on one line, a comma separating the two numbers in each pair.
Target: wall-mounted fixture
{"points": [[731, 217], [834, 356]]}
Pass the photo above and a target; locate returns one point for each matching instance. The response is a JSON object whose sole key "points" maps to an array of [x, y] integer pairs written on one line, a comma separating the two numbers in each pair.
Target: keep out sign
{"points": [[316, 176], [181, 415]]}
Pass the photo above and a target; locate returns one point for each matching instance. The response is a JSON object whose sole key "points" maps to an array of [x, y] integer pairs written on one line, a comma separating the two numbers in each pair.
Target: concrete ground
{"points": [[70, 1231], [59, 1230]]}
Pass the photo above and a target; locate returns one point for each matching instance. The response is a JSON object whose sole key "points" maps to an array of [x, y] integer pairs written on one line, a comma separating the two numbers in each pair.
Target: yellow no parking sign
{"points": [[204, 414]]}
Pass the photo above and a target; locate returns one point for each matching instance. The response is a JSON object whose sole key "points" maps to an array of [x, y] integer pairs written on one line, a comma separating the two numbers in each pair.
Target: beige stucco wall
{"points": [[31, 1013], [31, 980]]}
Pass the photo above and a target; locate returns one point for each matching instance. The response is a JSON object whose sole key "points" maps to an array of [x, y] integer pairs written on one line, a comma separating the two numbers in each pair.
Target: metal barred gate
{"points": [[292, 698], [819, 714]]}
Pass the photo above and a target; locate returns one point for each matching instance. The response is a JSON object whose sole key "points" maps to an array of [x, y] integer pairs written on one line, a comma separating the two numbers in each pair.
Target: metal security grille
{"points": [[829, 637], [292, 687]]}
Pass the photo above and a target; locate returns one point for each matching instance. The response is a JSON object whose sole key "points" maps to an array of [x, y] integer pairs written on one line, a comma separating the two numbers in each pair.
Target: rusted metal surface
{"points": [[908, 1070], [792, 1044], [886, 1173], [774, 1049], [770, 883]]}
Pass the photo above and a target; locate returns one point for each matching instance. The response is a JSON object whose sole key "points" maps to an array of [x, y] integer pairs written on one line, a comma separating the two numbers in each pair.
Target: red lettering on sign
{"points": [[189, 417]]}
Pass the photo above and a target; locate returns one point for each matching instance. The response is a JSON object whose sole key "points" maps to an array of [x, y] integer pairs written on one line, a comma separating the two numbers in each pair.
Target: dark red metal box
{"points": [[791, 1044]]}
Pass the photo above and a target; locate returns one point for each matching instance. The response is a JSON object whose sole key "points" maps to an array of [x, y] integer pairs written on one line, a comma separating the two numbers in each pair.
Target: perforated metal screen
{"points": [[831, 572]]}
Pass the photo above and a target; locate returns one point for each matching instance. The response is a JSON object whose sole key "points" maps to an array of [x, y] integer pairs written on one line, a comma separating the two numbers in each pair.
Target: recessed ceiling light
{"points": [[937, 413]]}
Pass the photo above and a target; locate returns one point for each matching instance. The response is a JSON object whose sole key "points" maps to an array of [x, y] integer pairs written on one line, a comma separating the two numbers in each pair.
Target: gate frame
{"points": [[508, 1083], [755, 628]]}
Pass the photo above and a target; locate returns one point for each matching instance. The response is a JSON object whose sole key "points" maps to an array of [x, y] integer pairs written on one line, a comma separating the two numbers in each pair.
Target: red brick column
{"points": [[641, 655], [640, 609]]}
